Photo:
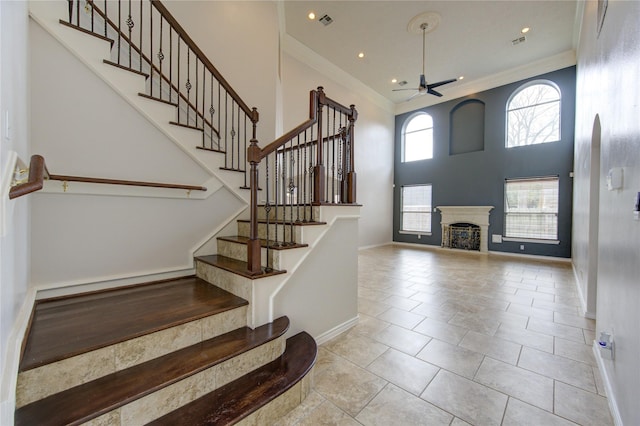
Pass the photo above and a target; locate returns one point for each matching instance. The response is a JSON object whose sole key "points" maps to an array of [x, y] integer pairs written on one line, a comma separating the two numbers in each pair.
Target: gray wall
{"points": [[477, 178]]}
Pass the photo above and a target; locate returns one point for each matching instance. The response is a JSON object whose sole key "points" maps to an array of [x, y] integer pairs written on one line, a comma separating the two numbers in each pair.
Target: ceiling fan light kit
{"points": [[422, 24]]}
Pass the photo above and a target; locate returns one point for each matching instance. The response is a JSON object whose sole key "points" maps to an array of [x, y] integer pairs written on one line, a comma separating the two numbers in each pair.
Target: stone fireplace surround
{"points": [[477, 215]]}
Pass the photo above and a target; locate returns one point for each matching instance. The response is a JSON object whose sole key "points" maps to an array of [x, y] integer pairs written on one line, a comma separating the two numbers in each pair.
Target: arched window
{"points": [[533, 115], [417, 138]]}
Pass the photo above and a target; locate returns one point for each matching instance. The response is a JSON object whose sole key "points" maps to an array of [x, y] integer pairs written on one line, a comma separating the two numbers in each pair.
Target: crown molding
{"points": [[552, 63]]}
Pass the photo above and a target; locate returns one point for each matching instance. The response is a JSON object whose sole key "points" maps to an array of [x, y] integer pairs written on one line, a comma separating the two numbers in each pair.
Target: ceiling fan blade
{"points": [[413, 96], [398, 90], [441, 83], [433, 92]]}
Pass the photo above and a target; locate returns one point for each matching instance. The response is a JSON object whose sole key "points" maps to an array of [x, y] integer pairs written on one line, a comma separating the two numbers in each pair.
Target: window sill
{"points": [[428, 234], [531, 240]]}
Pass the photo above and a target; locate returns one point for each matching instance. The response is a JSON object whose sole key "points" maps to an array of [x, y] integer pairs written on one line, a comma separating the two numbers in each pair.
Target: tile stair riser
{"points": [[279, 407], [243, 231], [233, 283], [174, 396], [49, 379], [239, 251]]}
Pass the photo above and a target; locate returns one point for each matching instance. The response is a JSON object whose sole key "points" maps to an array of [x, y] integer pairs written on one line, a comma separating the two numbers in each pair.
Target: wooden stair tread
{"points": [[65, 327], [240, 398], [84, 402], [263, 243], [236, 266]]}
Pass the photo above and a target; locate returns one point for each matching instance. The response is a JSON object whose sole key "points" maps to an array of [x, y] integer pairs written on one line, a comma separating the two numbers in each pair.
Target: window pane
{"points": [[417, 139], [533, 116], [416, 208], [531, 208], [418, 145]]}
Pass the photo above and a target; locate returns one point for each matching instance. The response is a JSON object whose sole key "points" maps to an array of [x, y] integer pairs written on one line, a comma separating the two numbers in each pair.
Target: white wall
{"points": [[373, 143], [82, 127], [14, 244], [608, 86], [241, 39]]}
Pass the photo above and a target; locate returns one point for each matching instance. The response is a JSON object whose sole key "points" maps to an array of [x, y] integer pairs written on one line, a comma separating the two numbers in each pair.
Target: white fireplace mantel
{"points": [[477, 215]]}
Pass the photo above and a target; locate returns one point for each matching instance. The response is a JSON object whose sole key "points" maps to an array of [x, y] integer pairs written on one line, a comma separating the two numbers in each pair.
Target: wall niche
{"points": [[467, 127]]}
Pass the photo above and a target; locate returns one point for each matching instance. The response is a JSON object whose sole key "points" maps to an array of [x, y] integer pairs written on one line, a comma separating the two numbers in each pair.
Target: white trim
{"points": [[57, 289], [337, 330], [583, 302], [428, 234], [611, 399], [543, 66], [530, 240], [6, 205], [12, 360], [388, 243], [532, 256]]}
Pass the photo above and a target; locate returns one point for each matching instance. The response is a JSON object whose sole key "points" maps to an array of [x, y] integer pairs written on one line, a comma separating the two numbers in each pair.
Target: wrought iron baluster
{"points": [[304, 177], [151, 50], [333, 162], [298, 166], [140, 29], [291, 187], [267, 210], [212, 111], [105, 17], [195, 104], [160, 58], [204, 91], [188, 83], [226, 119], [232, 133], [245, 150], [119, 28], [276, 242], [178, 85], [130, 25]]}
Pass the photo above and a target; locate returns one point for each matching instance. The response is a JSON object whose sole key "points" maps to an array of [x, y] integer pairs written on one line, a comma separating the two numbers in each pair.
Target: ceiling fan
{"points": [[423, 87]]}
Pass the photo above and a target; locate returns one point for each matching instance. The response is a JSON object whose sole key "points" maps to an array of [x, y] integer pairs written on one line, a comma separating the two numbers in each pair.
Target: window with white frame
{"points": [[416, 209], [531, 208], [533, 115], [417, 138]]}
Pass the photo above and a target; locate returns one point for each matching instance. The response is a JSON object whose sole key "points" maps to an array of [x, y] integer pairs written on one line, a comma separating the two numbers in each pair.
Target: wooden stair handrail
{"points": [[255, 155], [251, 112], [37, 174], [126, 182]]}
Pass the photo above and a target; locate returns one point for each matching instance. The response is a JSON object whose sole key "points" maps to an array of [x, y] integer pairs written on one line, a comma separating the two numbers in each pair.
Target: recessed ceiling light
{"points": [[525, 30], [311, 16], [394, 80], [361, 55], [461, 77]]}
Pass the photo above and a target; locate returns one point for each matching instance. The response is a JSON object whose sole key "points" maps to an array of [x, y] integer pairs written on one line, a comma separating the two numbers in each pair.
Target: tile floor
{"points": [[455, 338]]}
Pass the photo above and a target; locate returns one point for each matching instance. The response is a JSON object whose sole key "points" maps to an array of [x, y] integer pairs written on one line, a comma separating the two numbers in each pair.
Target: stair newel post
{"points": [[253, 247], [318, 170], [351, 175]]}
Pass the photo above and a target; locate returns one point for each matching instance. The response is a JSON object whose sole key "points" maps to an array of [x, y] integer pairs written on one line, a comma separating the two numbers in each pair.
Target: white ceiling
{"points": [[473, 39]]}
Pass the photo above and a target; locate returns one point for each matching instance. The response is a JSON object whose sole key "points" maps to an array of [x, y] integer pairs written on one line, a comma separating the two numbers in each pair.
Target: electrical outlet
{"points": [[521, 246]]}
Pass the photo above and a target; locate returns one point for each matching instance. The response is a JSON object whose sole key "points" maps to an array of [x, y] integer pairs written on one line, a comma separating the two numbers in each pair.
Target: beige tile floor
{"points": [[456, 338]]}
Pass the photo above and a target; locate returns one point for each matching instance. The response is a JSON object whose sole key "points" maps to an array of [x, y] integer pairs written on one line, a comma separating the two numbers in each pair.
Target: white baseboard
{"points": [[12, 360], [375, 245], [57, 290], [611, 398], [583, 302], [337, 330]]}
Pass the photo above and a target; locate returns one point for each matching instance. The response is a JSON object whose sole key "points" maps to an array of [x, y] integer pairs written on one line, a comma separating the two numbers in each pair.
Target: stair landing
{"points": [[65, 327]]}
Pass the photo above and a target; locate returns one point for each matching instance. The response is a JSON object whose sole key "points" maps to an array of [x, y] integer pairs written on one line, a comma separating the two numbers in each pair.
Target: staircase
{"points": [[172, 352], [217, 347]]}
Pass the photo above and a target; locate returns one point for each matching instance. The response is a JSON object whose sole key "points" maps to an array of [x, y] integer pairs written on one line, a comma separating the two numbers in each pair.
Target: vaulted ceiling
{"points": [[474, 39]]}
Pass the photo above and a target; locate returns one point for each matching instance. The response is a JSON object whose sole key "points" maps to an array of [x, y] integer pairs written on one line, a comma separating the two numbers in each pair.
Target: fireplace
{"points": [[465, 227]]}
